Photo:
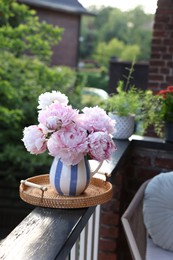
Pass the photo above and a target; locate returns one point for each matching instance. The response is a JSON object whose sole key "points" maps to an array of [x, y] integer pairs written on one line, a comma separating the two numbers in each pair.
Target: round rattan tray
{"points": [[98, 192]]}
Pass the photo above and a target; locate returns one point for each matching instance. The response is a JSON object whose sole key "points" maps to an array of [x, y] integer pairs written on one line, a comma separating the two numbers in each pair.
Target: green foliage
{"points": [[21, 32], [95, 79], [124, 103], [90, 100], [150, 113], [105, 51], [25, 48], [167, 106], [130, 52], [161, 110], [132, 28], [22, 81], [146, 107]]}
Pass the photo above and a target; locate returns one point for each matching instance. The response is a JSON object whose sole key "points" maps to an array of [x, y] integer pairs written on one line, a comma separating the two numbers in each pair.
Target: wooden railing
{"points": [[51, 233], [86, 246], [45, 234]]}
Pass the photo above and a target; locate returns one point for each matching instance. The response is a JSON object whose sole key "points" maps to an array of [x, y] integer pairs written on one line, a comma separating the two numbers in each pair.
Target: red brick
{"points": [[159, 26], [168, 41], [156, 41], [108, 232], [164, 163], [109, 218], [118, 179], [113, 205], [157, 77], [153, 70], [139, 159], [158, 63], [131, 171], [145, 174], [169, 64], [167, 12], [165, 70], [107, 256], [156, 56], [159, 33], [167, 57], [107, 245], [162, 18], [169, 80], [155, 86], [116, 191]]}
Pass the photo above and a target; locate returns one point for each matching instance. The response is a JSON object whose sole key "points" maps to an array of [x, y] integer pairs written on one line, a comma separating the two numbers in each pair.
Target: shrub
{"points": [[25, 50]]}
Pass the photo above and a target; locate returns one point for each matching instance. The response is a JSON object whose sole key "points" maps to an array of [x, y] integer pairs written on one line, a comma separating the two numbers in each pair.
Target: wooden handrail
{"points": [[51, 233], [45, 234]]}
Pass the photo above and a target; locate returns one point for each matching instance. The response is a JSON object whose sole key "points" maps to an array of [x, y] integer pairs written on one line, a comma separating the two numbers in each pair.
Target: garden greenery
{"points": [[25, 54]]}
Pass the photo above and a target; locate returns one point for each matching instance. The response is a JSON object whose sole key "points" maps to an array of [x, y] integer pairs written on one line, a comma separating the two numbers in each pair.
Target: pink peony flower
{"points": [[95, 119], [34, 139], [53, 123], [47, 98], [68, 134], [69, 143], [57, 116], [101, 146]]}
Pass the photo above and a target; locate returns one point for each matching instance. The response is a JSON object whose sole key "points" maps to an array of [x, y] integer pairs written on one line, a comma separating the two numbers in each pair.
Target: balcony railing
{"points": [[86, 246], [59, 233]]}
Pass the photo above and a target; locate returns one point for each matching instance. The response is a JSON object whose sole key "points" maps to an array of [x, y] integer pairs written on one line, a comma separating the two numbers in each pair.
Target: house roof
{"points": [[72, 6]]}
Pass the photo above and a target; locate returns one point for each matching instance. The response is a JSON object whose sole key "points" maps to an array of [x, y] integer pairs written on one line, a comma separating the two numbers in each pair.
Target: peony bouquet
{"points": [[67, 133]]}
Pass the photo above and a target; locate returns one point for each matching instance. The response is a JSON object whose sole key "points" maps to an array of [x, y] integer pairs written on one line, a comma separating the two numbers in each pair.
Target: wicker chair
{"points": [[133, 225]]}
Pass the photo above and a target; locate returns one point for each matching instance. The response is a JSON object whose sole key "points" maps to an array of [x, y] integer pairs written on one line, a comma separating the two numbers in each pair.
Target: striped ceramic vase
{"points": [[69, 180]]}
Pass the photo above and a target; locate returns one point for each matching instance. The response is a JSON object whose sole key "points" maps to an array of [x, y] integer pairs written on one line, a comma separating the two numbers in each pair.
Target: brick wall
{"points": [[110, 223], [160, 72], [161, 62], [139, 165]]}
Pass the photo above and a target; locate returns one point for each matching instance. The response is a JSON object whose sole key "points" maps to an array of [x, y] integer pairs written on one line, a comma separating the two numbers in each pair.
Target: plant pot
{"points": [[71, 180], [124, 126], [169, 132]]}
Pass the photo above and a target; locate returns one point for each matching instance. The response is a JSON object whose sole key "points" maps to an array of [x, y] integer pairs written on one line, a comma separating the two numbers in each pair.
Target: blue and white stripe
{"points": [[70, 180]]}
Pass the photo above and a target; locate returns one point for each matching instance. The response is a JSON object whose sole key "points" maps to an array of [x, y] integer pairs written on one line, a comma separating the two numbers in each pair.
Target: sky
{"points": [[124, 5]]}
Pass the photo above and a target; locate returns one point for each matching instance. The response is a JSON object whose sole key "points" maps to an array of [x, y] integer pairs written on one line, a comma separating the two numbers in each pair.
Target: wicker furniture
{"points": [[140, 244], [133, 224]]}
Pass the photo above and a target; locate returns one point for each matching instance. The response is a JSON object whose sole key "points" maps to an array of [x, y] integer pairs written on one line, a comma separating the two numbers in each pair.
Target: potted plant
{"points": [[156, 110], [166, 112], [123, 107], [150, 114]]}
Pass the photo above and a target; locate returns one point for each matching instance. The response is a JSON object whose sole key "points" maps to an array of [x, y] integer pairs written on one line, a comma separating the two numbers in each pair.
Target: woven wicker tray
{"points": [[98, 192]]}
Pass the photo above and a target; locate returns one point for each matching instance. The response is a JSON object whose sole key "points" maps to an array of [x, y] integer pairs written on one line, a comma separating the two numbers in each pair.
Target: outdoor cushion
{"points": [[154, 252], [158, 210]]}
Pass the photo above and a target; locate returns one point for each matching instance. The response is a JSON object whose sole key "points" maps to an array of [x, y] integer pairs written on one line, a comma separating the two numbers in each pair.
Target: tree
{"points": [[115, 48], [88, 37], [29, 36], [132, 27], [25, 52]]}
